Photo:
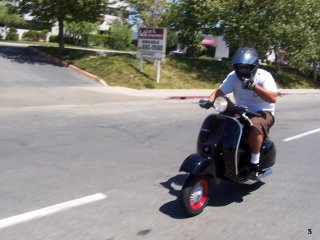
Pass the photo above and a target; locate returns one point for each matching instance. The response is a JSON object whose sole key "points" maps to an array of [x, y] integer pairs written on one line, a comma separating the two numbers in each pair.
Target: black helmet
{"points": [[248, 56]]}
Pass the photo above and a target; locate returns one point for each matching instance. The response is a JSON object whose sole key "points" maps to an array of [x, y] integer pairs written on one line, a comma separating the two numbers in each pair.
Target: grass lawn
{"points": [[176, 72]]}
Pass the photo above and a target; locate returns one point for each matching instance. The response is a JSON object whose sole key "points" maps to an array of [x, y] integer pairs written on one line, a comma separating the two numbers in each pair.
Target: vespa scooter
{"points": [[222, 153]]}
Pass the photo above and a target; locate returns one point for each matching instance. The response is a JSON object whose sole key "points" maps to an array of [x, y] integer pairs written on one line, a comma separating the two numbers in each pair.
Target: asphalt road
{"points": [[63, 138]]}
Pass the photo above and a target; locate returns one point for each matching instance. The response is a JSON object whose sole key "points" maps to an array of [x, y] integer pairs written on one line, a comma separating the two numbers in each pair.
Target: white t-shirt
{"points": [[249, 98]]}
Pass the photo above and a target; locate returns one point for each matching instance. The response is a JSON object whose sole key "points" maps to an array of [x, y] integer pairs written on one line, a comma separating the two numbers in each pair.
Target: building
{"points": [[216, 46]]}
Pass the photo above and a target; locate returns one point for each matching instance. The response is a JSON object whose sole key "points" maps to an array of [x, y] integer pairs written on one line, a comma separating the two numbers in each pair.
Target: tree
{"points": [[120, 35], [304, 42], [252, 23], [61, 11], [8, 16], [147, 12], [80, 31], [189, 18], [271, 24]]}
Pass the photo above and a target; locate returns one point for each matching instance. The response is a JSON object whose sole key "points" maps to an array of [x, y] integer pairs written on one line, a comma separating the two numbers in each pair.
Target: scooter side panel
{"points": [[267, 154]]}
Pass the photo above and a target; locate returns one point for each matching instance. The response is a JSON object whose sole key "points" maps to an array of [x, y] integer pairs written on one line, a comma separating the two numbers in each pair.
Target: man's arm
{"points": [[265, 94], [215, 94]]}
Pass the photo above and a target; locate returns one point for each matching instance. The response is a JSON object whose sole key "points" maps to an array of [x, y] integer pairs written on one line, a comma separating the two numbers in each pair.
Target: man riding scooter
{"points": [[256, 89]]}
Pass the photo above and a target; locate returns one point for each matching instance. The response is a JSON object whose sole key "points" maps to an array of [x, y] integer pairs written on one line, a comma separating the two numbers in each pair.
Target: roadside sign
{"points": [[152, 43], [152, 46], [151, 55]]}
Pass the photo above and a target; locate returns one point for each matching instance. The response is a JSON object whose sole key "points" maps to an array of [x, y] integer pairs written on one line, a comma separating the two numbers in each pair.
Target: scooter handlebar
{"points": [[205, 103], [245, 110]]}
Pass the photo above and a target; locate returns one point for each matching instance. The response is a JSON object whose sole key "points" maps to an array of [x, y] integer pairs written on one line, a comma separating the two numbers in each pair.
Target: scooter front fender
{"points": [[197, 165]]}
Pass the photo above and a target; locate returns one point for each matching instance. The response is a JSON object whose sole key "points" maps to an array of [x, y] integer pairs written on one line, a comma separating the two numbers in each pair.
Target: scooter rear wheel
{"points": [[195, 194]]}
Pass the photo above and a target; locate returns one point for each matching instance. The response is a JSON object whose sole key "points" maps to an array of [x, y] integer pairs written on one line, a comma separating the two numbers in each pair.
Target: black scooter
{"points": [[222, 153]]}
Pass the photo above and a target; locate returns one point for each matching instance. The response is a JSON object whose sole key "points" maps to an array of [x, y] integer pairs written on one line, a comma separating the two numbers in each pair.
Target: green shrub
{"points": [[44, 33], [33, 35], [120, 36], [80, 31], [12, 35], [55, 39], [98, 40], [196, 50]]}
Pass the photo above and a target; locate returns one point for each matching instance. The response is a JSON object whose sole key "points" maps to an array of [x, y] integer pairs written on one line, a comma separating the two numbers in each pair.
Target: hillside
{"points": [[176, 72]]}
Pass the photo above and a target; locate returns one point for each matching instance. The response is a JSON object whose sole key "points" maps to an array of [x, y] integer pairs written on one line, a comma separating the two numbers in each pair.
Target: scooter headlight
{"points": [[220, 104]]}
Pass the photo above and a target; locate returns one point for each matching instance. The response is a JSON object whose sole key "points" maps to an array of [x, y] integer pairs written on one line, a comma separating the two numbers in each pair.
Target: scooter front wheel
{"points": [[195, 194]]}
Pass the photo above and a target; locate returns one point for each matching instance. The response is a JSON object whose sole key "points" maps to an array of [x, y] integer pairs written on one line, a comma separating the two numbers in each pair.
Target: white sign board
{"points": [[151, 55], [152, 43]]}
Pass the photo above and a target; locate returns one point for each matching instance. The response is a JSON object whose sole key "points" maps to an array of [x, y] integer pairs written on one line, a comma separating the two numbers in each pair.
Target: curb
{"points": [[186, 97], [68, 65]]}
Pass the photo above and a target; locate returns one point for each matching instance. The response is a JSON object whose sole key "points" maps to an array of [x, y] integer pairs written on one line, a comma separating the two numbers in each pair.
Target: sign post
{"points": [[152, 46], [158, 70]]}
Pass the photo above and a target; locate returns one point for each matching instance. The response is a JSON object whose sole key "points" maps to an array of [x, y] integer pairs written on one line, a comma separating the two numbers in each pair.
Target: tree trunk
{"points": [[315, 71], [276, 54], [61, 33], [241, 40], [262, 56]]}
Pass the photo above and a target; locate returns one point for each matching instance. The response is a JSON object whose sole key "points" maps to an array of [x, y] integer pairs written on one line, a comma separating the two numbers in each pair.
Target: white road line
{"points": [[301, 135], [28, 216]]}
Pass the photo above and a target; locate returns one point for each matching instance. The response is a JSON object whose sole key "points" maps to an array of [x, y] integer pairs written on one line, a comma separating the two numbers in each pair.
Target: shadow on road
{"points": [[221, 195], [227, 192], [24, 55], [173, 208]]}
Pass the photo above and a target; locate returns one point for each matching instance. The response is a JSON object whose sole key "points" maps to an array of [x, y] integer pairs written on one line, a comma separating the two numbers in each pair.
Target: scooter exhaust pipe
{"points": [[265, 172]]}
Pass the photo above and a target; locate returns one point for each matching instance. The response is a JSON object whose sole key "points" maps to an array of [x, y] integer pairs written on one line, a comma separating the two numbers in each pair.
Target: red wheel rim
{"points": [[199, 194]]}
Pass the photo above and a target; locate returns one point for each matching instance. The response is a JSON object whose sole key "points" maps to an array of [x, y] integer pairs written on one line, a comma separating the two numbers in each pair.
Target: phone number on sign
{"points": [[151, 48]]}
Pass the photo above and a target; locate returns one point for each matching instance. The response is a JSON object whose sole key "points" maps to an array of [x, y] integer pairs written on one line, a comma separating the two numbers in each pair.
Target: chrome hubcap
{"points": [[196, 194]]}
